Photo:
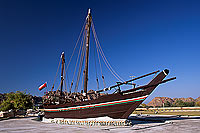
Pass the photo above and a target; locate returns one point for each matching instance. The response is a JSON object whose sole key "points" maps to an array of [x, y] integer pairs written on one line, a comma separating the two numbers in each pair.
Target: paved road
{"points": [[29, 125]]}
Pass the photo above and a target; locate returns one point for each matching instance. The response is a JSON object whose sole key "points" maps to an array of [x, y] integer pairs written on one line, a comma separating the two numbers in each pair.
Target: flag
{"points": [[43, 86]]}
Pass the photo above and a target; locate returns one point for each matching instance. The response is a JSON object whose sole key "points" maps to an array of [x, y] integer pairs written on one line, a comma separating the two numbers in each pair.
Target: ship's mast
{"points": [[62, 70], [89, 19]]}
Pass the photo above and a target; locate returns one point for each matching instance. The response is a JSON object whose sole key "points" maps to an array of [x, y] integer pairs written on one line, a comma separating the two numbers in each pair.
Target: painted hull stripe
{"points": [[97, 105]]}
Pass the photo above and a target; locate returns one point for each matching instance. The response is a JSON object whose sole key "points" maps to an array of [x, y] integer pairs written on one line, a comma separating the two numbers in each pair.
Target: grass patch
{"points": [[3, 119], [157, 112]]}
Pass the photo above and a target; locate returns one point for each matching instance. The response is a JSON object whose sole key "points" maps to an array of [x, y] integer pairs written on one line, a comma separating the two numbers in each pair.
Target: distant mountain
{"points": [[190, 99], [198, 99], [158, 101]]}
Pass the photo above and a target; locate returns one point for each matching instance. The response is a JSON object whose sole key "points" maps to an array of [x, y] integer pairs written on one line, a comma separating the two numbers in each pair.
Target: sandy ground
{"points": [[170, 126]]}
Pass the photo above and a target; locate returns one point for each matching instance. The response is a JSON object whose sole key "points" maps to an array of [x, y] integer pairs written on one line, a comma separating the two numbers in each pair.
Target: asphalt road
{"points": [[20, 125]]}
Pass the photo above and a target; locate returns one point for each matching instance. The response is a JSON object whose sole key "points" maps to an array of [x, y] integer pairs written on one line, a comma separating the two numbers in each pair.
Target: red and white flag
{"points": [[43, 86]]}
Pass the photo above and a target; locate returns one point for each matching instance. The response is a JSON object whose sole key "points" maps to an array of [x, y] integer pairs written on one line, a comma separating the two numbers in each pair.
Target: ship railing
{"points": [[124, 83], [134, 89]]}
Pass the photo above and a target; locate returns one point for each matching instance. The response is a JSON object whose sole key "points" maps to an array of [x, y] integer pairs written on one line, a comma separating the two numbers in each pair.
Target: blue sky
{"points": [[137, 36]]}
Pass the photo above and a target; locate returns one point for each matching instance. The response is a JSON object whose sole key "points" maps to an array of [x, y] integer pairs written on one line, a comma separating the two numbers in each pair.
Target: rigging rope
{"points": [[98, 56], [103, 56], [81, 63], [77, 61], [108, 65], [82, 81], [56, 75], [76, 44], [65, 73], [105, 59], [65, 86], [80, 58], [96, 70], [59, 86]]}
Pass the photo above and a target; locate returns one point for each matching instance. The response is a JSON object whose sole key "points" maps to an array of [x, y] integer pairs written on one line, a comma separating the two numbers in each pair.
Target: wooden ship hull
{"points": [[117, 105], [120, 104]]}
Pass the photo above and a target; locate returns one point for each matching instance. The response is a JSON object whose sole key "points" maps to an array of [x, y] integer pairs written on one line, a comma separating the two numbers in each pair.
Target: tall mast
{"points": [[62, 70], [89, 19]]}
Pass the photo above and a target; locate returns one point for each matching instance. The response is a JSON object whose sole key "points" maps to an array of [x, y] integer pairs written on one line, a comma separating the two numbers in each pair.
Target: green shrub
{"points": [[18, 100]]}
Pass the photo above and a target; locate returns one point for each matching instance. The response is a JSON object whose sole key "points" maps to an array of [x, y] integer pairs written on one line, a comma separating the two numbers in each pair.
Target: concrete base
{"points": [[100, 121]]}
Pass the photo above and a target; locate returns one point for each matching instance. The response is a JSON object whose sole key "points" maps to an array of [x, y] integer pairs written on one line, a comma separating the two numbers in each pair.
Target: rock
{"points": [[158, 101]]}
